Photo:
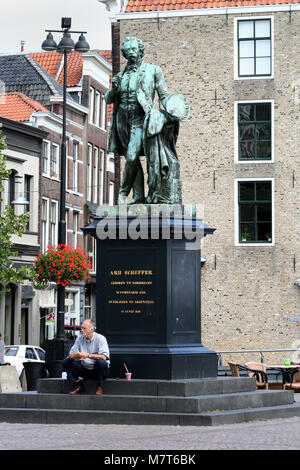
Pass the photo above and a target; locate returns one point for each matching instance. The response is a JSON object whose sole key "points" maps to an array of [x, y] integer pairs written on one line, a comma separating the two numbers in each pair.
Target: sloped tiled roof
{"points": [[20, 73], [159, 5], [106, 55], [52, 62], [18, 107]]}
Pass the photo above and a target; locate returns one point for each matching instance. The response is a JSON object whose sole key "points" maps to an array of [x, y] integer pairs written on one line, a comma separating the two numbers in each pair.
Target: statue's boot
{"points": [[129, 175], [138, 196]]}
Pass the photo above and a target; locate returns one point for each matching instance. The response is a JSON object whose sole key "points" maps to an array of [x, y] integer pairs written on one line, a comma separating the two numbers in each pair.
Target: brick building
{"points": [[34, 81], [19, 305], [238, 64]]}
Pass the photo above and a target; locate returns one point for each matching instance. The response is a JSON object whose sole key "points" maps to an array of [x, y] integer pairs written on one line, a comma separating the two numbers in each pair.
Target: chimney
{"points": [[22, 46]]}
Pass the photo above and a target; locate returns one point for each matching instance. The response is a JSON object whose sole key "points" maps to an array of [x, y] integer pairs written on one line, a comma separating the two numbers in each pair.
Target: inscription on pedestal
{"points": [[129, 294], [131, 290]]}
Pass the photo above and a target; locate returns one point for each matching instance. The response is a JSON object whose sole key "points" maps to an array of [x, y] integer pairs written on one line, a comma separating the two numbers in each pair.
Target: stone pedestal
{"points": [[9, 380], [148, 300]]}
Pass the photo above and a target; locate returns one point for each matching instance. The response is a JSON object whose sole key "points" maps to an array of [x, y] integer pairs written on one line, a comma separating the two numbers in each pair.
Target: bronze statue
{"points": [[138, 128]]}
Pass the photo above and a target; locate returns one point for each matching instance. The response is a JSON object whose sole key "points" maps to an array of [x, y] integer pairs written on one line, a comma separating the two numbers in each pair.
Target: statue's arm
{"points": [[112, 93], [161, 86]]}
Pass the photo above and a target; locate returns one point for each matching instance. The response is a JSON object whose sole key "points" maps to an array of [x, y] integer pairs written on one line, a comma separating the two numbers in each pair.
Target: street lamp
{"points": [[65, 46]]}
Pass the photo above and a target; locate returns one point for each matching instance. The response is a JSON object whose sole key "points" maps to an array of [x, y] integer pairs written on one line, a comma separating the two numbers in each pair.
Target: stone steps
{"points": [[56, 416], [199, 402], [182, 388]]}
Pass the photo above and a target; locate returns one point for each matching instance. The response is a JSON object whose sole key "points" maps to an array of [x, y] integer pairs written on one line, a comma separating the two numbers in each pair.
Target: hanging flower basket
{"points": [[62, 265]]}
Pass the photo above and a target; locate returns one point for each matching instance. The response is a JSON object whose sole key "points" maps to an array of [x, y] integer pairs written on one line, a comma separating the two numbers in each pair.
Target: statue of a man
{"points": [[138, 128]]}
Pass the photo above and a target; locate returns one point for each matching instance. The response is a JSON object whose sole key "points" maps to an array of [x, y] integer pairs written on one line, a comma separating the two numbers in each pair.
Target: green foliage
{"points": [[10, 224]]}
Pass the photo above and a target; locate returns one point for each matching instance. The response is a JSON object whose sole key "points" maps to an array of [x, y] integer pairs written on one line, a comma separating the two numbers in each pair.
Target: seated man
{"points": [[88, 358]]}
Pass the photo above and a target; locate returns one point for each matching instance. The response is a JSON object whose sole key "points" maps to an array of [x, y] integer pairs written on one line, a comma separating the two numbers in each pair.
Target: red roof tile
{"points": [[158, 5], [18, 107], [106, 55], [52, 63]]}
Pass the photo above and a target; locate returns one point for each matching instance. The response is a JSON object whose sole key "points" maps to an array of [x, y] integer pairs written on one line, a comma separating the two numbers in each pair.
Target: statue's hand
{"points": [[115, 83]]}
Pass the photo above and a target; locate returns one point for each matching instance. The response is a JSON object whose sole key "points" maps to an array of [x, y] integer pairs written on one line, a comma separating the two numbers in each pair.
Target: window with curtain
{"points": [[254, 131]]}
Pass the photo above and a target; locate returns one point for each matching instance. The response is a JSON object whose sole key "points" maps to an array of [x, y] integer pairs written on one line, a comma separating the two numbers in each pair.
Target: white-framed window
{"points": [[93, 255], [11, 187], [111, 189], [254, 46], [28, 179], [54, 222], [75, 228], [103, 113], [71, 305], [55, 161], [45, 224], [67, 215], [89, 172], [72, 309], [75, 166], [96, 176], [254, 131], [254, 211], [101, 177], [46, 158], [91, 104], [97, 108]]}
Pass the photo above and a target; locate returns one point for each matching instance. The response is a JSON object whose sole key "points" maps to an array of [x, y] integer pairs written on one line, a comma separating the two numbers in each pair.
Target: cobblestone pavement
{"points": [[278, 434]]}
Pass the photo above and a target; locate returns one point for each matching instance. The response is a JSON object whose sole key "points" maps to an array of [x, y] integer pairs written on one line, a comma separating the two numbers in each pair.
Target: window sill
{"points": [[75, 193], [263, 77], [98, 127], [251, 162], [261, 244]]}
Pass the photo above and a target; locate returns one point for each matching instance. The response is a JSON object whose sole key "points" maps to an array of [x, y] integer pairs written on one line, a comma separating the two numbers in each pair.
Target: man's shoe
{"points": [[122, 199], [77, 390], [139, 200], [99, 391]]}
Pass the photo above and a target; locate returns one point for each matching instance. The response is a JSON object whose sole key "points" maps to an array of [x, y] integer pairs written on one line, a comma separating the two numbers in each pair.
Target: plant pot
{"points": [[33, 372], [55, 368]]}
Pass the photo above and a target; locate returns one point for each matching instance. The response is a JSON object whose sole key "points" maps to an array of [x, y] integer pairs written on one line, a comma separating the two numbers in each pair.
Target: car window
{"points": [[41, 354], [11, 351], [30, 353]]}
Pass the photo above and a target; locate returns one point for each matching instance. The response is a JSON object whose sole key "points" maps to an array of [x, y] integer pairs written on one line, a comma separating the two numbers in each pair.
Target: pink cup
{"points": [[128, 375]]}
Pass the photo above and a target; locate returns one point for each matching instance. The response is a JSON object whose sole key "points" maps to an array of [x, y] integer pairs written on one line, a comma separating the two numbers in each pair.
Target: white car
{"points": [[17, 354]]}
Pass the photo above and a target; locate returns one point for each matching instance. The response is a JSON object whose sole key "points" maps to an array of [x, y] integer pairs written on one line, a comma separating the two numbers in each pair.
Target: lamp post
{"points": [[65, 46]]}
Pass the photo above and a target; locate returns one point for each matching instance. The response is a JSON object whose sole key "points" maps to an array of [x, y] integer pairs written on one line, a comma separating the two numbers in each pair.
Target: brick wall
{"points": [[247, 292]]}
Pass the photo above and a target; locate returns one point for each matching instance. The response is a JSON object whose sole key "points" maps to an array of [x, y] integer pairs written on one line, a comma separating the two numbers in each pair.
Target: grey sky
{"points": [[27, 20]]}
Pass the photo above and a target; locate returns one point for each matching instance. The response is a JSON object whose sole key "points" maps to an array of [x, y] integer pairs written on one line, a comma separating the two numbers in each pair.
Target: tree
{"points": [[10, 224]]}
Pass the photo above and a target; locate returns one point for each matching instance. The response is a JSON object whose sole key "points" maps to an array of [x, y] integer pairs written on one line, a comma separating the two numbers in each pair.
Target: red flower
{"points": [[62, 265]]}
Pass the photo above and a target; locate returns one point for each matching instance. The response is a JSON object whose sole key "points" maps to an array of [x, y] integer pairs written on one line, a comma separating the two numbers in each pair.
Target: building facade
{"points": [[239, 156], [90, 172], [19, 306]]}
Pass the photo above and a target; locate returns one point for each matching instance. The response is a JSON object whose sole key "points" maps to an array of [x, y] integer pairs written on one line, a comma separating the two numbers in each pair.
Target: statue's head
{"points": [[132, 48]]}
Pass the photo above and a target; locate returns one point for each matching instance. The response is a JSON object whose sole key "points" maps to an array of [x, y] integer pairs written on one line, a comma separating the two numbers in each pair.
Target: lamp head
{"points": [[66, 43], [81, 45], [49, 44], [20, 201]]}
